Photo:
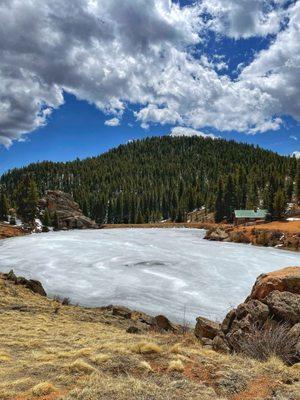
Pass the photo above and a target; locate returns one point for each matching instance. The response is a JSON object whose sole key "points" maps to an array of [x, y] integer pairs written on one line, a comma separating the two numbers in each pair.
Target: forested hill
{"points": [[160, 178]]}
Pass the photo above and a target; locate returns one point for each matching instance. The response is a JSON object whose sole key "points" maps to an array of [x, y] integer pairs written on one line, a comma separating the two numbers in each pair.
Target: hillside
{"points": [[165, 177], [52, 351]]}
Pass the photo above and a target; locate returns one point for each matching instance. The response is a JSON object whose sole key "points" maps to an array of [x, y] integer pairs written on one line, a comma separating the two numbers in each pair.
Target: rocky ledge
{"points": [[257, 237], [267, 322], [68, 212]]}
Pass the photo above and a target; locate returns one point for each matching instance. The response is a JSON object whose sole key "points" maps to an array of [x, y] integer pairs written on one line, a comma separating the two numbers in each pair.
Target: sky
{"points": [[77, 81]]}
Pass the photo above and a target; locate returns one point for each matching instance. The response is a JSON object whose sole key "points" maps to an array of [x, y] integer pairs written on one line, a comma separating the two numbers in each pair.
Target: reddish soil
{"points": [[282, 226]]}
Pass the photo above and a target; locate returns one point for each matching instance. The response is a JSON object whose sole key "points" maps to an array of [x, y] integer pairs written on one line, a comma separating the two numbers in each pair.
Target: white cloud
{"points": [[183, 131], [112, 122], [244, 18], [296, 154], [293, 137], [94, 51]]}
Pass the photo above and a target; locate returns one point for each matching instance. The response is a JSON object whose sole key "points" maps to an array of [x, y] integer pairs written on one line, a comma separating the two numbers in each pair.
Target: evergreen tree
{"points": [[4, 207], [27, 199], [279, 205], [219, 205], [140, 218], [55, 221], [46, 219], [229, 199]]}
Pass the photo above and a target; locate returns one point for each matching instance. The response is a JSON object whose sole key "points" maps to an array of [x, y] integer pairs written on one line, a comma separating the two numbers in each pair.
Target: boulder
{"points": [[285, 306], [257, 310], [161, 322], [220, 345], [268, 319], [36, 287], [206, 329], [68, 212], [217, 234], [31, 284], [286, 279]]}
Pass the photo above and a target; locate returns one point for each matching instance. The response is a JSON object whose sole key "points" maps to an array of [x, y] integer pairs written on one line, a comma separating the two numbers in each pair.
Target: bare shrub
{"points": [[271, 341]]}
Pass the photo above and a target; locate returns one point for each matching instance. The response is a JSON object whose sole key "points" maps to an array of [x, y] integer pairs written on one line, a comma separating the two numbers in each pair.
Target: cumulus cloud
{"points": [[112, 122], [244, 18], [183, 131], [142, 52]]}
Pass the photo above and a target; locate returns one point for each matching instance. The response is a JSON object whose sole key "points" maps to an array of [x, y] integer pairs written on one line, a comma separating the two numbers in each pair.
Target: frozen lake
{"points": [[170, 271]]}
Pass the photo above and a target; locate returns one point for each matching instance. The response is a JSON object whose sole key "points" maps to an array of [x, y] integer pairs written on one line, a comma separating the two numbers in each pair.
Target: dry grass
{"points": [[176, 365], [83, 354], [42, 389]]}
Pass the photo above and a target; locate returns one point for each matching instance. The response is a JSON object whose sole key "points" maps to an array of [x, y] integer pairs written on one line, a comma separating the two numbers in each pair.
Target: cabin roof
{"points": [[251, 214]]}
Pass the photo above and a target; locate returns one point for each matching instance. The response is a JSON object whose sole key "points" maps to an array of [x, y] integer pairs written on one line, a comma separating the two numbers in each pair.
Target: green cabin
{"points": [[244, 216]]}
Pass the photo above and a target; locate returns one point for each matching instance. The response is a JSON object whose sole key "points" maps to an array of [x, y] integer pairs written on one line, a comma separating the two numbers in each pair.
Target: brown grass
{"points": [[282, 226], [86, 354]]}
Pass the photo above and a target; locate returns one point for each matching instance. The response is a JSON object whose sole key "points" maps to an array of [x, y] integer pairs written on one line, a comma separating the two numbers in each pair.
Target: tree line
{"points": [[161, 178]]}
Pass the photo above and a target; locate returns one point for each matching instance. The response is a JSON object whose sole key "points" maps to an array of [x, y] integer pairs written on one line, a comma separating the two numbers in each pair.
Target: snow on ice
{"points": [[174, 272]]}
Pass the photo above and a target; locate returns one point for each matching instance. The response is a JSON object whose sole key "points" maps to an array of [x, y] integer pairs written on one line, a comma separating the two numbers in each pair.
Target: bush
{"points": [[267, 342]]}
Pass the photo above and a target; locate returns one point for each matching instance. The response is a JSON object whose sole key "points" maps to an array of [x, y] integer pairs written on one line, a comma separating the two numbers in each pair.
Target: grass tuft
{"points": [[42, 389], [146, 348], [176, 365], [80, 366]]}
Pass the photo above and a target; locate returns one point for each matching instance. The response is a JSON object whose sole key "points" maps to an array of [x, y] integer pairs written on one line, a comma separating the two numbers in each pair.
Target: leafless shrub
{"points": [[271, 341]]}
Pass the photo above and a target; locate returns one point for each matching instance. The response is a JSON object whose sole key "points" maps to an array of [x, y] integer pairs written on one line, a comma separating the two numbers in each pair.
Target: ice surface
{"points": [[170, 271]]}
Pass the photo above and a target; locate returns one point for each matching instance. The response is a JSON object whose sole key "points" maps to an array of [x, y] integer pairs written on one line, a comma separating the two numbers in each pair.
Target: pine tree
{"points": [[229, 199], [219, 205], [27, 200], [4, 207], [55, 221], [46, 218], [279, 205]]}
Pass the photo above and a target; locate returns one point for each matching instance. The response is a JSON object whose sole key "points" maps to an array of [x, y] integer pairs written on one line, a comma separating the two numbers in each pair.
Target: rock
{"points": [[31, 284], [10, 276], [69, 214], [286, 279], [206, 329], [133, 329], [217, 234], [220, 345], [256, 309], [122, 312], [284, 305], [36, 287], [162, 322], [226, 324], [272, 308]]}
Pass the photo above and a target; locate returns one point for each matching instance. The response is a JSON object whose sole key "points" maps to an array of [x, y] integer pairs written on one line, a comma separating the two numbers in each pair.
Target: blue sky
{"points": [[226, 78]]}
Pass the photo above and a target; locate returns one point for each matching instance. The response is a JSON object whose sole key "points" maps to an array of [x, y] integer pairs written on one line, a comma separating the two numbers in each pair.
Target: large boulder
{"points": [[284, 305], [206, 328], [267, 322], [217, 234], [286, 279], [68, 212]]}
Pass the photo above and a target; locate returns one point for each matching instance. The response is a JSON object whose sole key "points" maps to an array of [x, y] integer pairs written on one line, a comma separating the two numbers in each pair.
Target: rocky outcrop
{"points": [[257, 237], [69, 214], [217, 234], [270, 313], [31, 284]]}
